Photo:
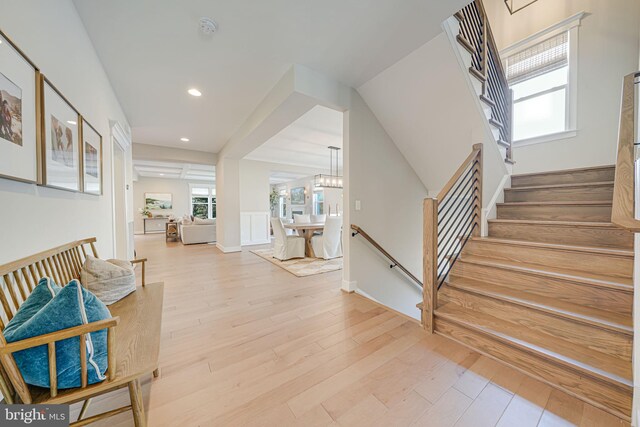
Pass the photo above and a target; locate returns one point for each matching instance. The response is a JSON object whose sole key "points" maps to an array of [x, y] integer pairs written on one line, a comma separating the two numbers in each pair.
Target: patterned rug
{"points": [[302, 267]]}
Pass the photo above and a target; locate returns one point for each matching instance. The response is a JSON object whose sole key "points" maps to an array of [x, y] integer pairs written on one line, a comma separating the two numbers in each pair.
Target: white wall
{"points": [[391, 196], [608, 50], [37, 218], [254, 186], [179, 189]]}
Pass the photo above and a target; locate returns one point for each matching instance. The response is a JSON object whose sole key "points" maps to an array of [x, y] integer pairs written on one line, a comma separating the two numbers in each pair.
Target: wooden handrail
{"points": [[458, 173], [624, 186], [394, 263], [449, 221]]}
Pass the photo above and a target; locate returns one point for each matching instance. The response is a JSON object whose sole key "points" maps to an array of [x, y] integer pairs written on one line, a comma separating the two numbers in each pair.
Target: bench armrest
{"points": [[143, 262], [58, 335]]}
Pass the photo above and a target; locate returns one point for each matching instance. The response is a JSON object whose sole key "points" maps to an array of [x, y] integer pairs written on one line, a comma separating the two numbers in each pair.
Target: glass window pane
{"points": [[201, 211], [541, 115], [541, 83], [213, 211], [204, 200]]}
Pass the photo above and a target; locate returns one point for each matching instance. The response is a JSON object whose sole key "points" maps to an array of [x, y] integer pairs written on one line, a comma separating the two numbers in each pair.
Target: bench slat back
{"points": [[19, 278]]}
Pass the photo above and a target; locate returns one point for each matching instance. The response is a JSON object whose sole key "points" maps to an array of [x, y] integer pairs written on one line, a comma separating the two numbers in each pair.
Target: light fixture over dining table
{"points": [[333, 179]]}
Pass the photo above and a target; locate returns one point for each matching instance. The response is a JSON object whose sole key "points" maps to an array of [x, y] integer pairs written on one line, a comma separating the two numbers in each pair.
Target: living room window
{"points": [[542, 72], [203, 201]]}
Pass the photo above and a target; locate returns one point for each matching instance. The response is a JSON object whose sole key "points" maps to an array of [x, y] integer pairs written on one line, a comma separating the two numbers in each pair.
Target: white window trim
{"points": [[212, 194], [569, 25]]}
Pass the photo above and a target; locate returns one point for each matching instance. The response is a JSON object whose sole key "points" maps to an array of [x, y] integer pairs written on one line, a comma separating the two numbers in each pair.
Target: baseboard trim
{"points": [[229, 249], [262, 242], [349, 286], [365, 295]]}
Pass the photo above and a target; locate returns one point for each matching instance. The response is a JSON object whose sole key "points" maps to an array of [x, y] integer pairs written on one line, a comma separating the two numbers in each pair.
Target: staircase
{"points": [[549, 291], [471, 35]]}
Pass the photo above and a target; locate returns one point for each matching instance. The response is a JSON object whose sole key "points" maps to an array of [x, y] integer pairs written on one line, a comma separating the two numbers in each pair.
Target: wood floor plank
{"points": [[243, 338]]}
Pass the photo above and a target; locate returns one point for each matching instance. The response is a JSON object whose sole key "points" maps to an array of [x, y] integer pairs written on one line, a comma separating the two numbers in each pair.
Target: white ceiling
{"points": [[153, 52], [280, 177], [157, 169], [305, 142]]}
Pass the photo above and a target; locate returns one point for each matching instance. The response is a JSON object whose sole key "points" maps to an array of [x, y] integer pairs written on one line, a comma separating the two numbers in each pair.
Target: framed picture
{"points": [[297, 196], [19, 95], [60, 141], [91, 159], [158, 201]]}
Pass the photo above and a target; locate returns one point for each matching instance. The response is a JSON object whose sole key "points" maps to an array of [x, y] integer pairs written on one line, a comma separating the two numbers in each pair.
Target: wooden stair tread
{"points": [[556, 223], [495, 122], [557, 203], [557, 246], [579, 313], [480, 322], [618, 283], [564, 171], [503, 143], [569, 185]]}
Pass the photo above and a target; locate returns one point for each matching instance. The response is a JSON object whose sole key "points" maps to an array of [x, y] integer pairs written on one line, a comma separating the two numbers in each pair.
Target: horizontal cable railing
{"points": [[450, 220], [394, 263], [486, 63]]}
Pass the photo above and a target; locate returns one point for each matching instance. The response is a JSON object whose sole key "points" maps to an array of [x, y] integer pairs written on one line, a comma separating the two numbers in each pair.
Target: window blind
{"points": [[538, 59]]}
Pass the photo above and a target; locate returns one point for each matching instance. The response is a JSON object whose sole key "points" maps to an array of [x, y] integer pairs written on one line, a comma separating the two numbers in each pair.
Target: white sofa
{"points": [[197, 233]]}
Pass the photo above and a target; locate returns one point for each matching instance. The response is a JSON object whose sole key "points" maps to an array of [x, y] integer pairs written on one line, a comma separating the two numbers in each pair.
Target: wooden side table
{"points": [[171, 231]]}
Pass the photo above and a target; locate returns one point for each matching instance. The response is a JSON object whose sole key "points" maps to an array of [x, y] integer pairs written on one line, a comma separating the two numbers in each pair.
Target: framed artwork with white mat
{"points": [[19, 111]]}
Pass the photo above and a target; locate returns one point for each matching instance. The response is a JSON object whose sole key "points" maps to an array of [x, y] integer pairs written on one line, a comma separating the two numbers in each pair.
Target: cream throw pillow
{"points": [[109, 280]]}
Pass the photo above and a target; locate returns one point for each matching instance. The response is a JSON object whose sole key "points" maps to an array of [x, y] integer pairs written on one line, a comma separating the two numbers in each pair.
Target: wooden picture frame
{"points": [[91, 159], [19, 114], [59, 140]]}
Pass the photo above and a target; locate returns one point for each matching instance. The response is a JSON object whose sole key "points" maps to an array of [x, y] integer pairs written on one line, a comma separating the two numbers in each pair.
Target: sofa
{"points": [[198, 232]]}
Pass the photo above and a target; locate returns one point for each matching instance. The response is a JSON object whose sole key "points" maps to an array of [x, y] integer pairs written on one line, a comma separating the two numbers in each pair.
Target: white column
{"points": [[228, 205]]}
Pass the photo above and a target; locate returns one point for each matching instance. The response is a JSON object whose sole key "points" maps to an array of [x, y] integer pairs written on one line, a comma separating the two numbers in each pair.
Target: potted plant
{"points": [[273, 202]]}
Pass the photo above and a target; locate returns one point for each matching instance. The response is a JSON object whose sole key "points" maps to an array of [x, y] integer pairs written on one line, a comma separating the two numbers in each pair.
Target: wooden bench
{"points": [[133, 334]]}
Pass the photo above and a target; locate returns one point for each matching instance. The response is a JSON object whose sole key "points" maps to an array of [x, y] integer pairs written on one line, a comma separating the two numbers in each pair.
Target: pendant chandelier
{"points": [[333, 179], [517, 5]]}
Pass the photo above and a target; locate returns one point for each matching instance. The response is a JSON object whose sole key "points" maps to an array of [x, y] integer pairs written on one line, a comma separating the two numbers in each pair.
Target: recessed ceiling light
{"points": [[194, 92], [184, 139], [71, 122], [161, 174]]}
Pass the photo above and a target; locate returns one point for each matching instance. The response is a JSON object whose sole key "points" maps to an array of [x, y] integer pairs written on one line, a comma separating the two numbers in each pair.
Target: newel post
{"points": [[430, 262]]}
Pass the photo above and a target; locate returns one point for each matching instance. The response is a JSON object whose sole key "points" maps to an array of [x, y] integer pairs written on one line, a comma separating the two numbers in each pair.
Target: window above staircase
{"points": [[542, 72]]}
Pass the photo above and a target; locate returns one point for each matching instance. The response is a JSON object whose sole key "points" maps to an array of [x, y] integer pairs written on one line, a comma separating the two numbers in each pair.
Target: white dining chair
{"points": [[301, 219], [288, 231], [318, 218], [329, 244], [286, 247]]}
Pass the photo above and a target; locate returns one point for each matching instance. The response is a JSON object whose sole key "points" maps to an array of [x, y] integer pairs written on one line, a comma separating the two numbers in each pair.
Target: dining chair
{"points": [[286, 247], [329, 244], [318, 218], [301, 219]]}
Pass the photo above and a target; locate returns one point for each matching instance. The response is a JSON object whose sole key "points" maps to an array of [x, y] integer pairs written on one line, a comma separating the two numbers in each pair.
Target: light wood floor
{"points": [[247, 343]]}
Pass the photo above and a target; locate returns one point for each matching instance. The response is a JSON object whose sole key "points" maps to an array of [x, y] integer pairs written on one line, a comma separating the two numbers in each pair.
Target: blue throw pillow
{"points": [[48, 309]]}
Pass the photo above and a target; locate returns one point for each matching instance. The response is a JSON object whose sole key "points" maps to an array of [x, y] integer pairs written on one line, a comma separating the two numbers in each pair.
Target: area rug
{"points": [[302, 267]]}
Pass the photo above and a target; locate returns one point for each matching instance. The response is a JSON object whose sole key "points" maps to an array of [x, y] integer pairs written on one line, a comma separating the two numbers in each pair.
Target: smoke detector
{"points": [[208, 26]]}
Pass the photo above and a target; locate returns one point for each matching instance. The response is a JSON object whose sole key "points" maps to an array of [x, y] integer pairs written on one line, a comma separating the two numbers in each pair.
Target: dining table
{"points": [[306, 230]]}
